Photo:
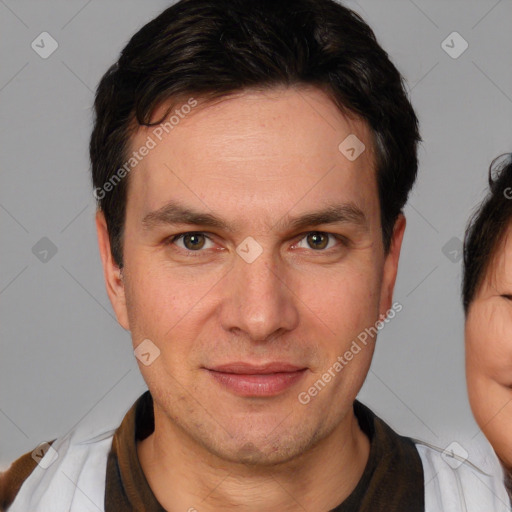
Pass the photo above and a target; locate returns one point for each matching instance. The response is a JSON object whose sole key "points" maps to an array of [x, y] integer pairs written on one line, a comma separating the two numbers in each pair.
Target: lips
{"points": [[242, 368], [250, 380]]}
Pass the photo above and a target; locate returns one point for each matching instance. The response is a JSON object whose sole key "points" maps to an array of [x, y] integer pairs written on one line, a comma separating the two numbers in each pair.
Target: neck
{"points": [[185, 476]]}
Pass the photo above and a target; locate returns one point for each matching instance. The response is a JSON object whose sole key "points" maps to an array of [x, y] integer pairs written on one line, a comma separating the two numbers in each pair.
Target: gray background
{"points": [[64, 357]]}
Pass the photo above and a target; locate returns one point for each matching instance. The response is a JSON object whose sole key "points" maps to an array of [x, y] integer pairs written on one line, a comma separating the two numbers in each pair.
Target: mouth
{"points": [[248, 380]]}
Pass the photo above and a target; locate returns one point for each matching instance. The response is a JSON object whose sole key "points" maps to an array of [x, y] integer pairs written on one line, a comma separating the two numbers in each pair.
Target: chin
{"points": [[263, 450]]}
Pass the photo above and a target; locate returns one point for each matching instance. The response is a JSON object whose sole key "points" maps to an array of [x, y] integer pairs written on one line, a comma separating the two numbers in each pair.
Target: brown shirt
{"points": [[391, 482]]}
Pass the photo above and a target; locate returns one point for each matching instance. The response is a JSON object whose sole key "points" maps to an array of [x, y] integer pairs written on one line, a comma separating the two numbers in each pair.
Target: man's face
{"points": [[255, 288], [488, 336]]}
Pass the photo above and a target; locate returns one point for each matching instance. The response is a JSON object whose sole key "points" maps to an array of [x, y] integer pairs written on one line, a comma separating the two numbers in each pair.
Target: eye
{"points": [[319, 241], [191, 241]]}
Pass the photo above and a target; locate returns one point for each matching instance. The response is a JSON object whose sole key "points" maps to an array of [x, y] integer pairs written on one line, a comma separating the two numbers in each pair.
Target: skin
{"points": [[253, 159], [489, 352]]}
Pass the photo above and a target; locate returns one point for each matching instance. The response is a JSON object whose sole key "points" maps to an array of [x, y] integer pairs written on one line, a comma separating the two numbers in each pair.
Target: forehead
{"points": [[499, 271], [278, 147]]}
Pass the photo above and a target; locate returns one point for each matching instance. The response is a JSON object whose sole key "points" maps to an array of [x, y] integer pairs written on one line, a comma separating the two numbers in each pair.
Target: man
{"points": [[251, 160]]}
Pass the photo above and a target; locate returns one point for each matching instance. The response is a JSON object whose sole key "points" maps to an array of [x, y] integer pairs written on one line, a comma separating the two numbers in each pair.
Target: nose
{"points": [[258, 300]]}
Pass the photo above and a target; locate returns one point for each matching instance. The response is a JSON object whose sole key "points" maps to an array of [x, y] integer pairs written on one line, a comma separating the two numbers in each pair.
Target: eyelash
{"points": [[170, 241]]}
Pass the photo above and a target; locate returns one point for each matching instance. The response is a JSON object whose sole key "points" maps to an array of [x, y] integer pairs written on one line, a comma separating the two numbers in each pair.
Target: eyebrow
{"points": [[347, 213], [175, 213]]}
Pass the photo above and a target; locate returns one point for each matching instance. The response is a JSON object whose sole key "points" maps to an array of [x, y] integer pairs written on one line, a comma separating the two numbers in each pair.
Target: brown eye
{"points": [[318, 240], [193, 241]]}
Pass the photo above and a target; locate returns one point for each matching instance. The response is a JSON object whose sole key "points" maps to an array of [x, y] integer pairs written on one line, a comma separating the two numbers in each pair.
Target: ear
{"points": [[391, 266], [112, 273]]}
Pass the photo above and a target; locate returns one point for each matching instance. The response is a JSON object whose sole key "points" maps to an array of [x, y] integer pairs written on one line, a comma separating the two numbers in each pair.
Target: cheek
{"points": [[162, 300], [353, 296], [489, 347], [489, 373], [492, 407], [344, 305]]}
